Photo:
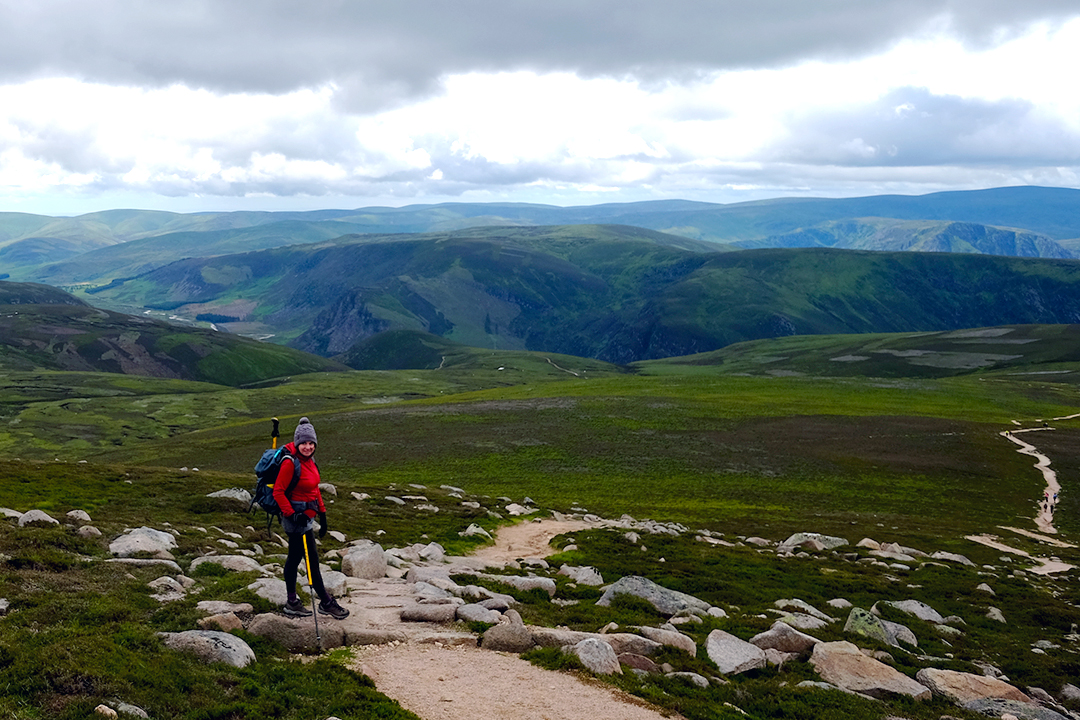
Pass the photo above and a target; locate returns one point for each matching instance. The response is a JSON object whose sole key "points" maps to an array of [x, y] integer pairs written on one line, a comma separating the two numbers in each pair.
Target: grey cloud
{"points": [[911, 126], [382, 53]]}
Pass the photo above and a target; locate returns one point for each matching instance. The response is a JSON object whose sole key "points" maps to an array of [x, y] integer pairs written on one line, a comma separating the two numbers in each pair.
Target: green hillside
{"points": [[1036, 350], [40, 248], [612, 293], [82, 338]]}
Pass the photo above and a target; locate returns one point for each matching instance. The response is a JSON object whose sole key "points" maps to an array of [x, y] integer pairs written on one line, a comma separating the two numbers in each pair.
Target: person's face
{"points": [[307, 449]]}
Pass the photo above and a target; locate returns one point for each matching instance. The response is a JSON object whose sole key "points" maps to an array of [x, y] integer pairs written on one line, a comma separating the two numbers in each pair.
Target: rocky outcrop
{"points": [[844, 665], [670, 638], [667, 602], [297, 633]]}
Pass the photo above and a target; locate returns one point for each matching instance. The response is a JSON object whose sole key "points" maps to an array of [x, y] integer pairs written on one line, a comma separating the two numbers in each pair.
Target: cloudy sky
{"points": [[191, 105]]}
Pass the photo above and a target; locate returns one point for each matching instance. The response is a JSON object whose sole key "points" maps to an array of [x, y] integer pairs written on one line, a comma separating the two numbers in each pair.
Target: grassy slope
{"points": [[603, 292], [913, 460], [70, 337]]}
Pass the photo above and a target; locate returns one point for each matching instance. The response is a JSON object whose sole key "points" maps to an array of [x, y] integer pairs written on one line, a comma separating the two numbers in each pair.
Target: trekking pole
{"points": [[274, 434], [314, 610]]}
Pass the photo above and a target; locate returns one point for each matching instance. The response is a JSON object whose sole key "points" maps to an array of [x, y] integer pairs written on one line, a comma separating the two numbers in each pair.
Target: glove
{"points": [[323, 525]]}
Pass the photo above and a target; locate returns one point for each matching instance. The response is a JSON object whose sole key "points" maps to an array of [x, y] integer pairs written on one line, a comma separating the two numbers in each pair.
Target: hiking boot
{"points": [[295, 608], [333, 609]]}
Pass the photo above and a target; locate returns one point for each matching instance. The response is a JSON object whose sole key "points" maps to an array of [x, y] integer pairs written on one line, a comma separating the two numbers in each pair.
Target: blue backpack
{"points": [[266, 473]]}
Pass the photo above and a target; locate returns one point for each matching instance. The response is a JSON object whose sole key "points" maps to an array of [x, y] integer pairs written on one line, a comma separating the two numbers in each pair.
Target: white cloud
{"points": [[712, 100]]}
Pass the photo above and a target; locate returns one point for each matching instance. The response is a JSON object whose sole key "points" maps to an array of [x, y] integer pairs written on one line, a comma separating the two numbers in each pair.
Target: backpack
{"points": [[266, 472]]}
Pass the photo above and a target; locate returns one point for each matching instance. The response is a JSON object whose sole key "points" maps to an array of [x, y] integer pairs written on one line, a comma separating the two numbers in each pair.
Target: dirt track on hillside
{"points": [[439, 682]]}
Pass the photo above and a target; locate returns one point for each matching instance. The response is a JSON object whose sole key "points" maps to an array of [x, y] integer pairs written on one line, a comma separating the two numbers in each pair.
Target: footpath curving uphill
{"points": [[432, 633]]}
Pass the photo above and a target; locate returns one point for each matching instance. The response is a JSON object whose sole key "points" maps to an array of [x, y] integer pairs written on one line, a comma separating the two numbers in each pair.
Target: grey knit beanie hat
{"points": [[305, 432]]}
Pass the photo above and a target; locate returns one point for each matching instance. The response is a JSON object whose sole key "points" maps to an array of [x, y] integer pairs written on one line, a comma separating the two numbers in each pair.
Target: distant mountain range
{"points": [[99, 247], [617, 294]]}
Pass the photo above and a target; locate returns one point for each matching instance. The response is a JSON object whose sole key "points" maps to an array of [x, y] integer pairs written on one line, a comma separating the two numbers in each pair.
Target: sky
{"points": [[211, 105]]}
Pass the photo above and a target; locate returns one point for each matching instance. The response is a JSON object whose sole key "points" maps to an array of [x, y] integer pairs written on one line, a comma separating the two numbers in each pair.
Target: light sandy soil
{"points": [[460, 683], [444, 681]]}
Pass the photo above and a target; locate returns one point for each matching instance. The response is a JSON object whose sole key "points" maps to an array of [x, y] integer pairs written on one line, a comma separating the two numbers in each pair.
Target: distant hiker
{"points": [[297, 519]]}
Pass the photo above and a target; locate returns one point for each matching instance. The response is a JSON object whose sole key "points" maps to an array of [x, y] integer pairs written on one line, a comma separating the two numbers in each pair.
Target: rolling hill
{"points": [[612, 293], [68, 251], [74, 336]]}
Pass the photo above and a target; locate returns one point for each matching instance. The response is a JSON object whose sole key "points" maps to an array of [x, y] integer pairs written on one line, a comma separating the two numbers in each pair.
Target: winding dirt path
{"points": [[1044, 517], [457, 682]]}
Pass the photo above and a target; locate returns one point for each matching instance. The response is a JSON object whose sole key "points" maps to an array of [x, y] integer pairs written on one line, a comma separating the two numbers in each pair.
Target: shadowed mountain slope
{"points": [[611, 293]]}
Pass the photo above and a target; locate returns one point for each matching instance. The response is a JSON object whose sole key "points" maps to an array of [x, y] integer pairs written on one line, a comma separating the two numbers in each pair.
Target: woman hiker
{"points": [[298, 518]]}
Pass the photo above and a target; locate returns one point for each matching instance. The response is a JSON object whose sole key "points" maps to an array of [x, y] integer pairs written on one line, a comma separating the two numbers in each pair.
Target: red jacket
{"points": [[307, 487]]}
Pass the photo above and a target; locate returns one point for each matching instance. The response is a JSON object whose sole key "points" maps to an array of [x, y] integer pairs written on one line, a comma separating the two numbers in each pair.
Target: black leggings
{"points": [[292, 563]]}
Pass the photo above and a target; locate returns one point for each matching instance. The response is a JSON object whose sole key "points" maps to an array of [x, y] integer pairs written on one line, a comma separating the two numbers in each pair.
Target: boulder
{"points": [[143, 540], [961, 687], [998, 708], [670, 638], [211, 646], [597, 656], [367, 562], [619, 642], [88, 531], [582, 575], [804, 621], [638, 662], [37, 517], [690, 677], [995, 614], [475, 529], [272, 589], [733, 655], [667, 602], [473, 612], [900, 633], [912, 607], [79, 517], [238, 494], [439, 613], [234, 563], [1069, 692], [802, 607], [166, 589], [511, 635], [216, 607], [785, 639], [297, 633], [839, 603], [983, 587], [798, 540], [226, 622], [862, 622], [844, 665], [524, 584], [433, 552], [952, 557]]}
